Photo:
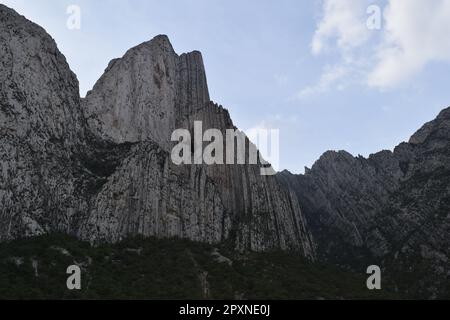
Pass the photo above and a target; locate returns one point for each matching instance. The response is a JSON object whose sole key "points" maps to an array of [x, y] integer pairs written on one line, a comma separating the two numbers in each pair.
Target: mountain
{"points": [[99, 168], [392, 208], [42, 132]]}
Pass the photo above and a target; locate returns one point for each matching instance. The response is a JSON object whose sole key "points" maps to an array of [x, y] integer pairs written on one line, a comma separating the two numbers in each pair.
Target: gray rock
{"points": [[41, 132], [141, 95], [392, 208], [152, 91], [99, 167]]}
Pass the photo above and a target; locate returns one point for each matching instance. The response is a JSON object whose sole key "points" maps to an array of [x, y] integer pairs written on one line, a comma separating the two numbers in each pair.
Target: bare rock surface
{"points": [[100, 167], [41, 132], [144, 97], [392, 208]]}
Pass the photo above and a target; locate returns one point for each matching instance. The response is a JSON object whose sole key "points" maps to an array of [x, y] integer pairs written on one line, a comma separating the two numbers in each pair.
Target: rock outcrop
{"points": [[41, 132], [143, 97], [391, 209]]}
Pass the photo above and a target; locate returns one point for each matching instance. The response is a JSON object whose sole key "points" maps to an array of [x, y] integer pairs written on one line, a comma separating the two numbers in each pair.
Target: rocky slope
{"points": [[392, 208], [99, 168], [42, 131]]}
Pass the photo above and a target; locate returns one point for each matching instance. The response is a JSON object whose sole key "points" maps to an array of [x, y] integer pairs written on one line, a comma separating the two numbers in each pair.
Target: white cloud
{"points": [[414, 33], [344, 21], [330, 77]]}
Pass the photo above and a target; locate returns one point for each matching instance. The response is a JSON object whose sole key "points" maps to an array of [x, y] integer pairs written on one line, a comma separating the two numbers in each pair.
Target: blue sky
{"points": [[313, 69]]}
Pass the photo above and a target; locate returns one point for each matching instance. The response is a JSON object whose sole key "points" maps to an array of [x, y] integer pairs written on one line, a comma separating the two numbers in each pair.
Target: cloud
{"points": [[343, 21], [329, 78], [414, 33]]}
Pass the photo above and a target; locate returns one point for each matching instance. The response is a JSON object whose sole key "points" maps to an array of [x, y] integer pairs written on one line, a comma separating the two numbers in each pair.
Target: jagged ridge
{"points": [[392, 208]]}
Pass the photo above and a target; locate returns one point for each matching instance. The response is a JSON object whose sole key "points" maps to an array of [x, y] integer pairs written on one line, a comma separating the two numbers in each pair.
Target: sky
{"points": [[354, 75]]}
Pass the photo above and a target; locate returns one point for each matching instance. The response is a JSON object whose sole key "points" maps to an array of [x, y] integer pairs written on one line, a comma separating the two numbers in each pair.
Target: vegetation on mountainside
{"points": [[167, 269]]}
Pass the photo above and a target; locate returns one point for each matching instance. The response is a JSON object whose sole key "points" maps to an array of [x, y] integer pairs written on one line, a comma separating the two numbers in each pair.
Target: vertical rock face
{"points": [[149, 196], [145, 96], [192, 88], [135, 98], [141, 95], [100, 167], [41, 130], [266, 215], [392, 208]]}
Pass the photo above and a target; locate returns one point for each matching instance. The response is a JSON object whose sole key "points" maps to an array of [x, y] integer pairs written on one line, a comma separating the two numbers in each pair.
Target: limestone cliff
{"points": [[100, 167], [146, 95], [41, 132]]}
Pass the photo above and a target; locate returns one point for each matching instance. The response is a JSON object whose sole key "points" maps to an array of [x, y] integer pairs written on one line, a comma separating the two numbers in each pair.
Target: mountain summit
{"points": [[143, 95]]}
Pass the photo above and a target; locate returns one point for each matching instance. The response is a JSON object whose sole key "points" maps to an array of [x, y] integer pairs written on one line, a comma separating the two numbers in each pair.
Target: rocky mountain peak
{"points": [[141, 95], [161, 41], [39, 93], [439, 127]]}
